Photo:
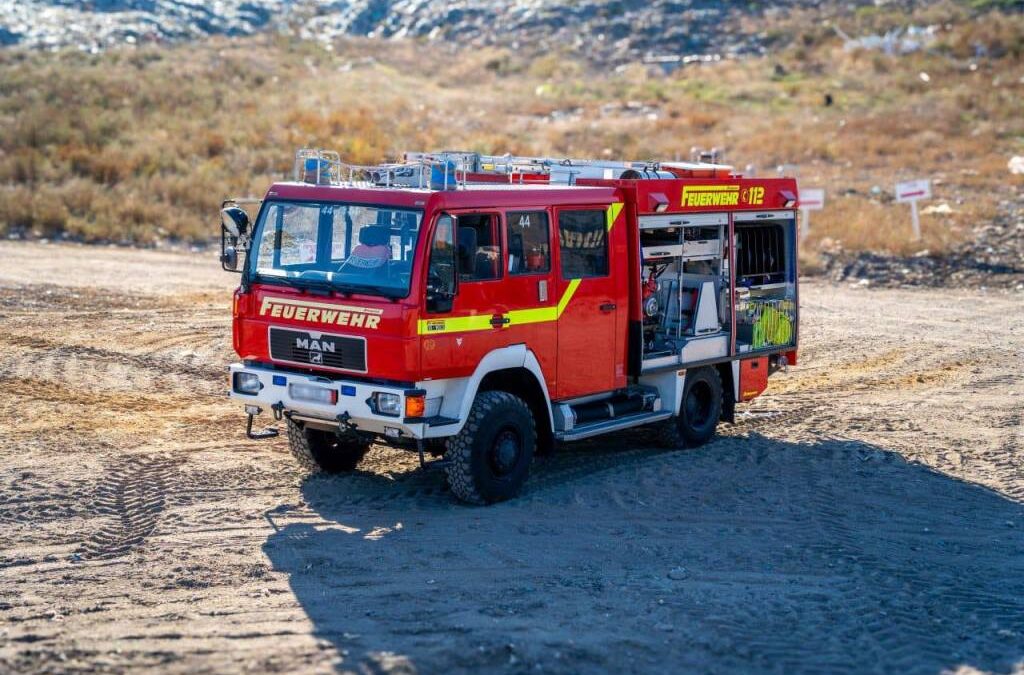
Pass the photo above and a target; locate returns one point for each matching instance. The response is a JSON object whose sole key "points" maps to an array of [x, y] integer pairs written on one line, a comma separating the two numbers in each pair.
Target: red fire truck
{"points": [[483, 309]]}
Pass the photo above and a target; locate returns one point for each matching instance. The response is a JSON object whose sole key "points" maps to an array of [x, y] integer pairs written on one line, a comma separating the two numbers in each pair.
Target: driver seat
{"points": [[373, 251]]}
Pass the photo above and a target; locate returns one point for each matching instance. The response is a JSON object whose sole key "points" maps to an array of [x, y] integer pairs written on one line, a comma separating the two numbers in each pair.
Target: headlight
{"points": [[247, 383], [387, 404]]}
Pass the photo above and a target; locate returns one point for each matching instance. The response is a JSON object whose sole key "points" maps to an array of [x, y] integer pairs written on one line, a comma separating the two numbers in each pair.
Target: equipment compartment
{"points": [[765, 284], [685, 282]]}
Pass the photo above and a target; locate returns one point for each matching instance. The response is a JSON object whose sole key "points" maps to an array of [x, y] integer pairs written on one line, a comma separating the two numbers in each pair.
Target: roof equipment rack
{"points": [[449, 170]]}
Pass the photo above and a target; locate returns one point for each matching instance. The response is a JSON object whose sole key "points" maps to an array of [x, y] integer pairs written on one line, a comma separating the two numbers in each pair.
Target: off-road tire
{"points": [[683, 432], [322, 451], [470, 460]]}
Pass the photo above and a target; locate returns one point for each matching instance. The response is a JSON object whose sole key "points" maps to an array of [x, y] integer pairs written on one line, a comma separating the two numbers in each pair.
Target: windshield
{"points": [[365, 249]]}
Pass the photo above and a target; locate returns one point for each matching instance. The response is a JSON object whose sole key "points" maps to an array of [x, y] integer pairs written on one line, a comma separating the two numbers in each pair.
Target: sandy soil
{"points": [[867, 514]]}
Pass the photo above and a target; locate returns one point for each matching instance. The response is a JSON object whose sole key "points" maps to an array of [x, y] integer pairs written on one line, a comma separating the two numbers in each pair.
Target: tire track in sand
{"points": [[146, 361], [132, 496]]}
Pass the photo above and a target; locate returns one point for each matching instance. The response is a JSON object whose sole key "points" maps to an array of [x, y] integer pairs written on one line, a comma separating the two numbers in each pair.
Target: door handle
{"points": [[608, 307], [500, 321]]}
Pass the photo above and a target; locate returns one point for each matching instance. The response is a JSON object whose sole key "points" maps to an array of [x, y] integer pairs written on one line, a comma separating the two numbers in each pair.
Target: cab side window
{"points": [[529, 247], [583, 237], [479, 247]]}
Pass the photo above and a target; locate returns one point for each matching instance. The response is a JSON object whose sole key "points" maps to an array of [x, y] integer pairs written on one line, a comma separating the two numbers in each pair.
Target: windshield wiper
{"points": [[301, 284], [325, 285], [368, 289]]}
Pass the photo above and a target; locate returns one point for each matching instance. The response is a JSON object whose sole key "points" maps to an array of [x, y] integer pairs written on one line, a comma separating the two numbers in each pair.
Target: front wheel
{"points": [[323, 451], [699, 410], [489, 460]]}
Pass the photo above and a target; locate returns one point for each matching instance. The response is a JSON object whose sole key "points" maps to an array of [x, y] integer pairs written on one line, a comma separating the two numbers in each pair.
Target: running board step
{"points": [[615, 424]]}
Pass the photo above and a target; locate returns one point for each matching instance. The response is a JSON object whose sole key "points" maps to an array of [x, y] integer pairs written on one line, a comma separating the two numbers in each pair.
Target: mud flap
{"points": [[728, 406], [728, 394]]}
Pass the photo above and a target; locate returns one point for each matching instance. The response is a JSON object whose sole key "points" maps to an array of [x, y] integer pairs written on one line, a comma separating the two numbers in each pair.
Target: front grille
{"points": [[328, 351]]}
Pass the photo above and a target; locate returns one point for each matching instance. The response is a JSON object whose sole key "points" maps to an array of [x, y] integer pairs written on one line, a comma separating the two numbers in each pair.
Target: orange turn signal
{"points": [[415, 405]]}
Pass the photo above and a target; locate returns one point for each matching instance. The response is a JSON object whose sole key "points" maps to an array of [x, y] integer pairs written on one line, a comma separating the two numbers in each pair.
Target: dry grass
{"points": [[140, 146]]}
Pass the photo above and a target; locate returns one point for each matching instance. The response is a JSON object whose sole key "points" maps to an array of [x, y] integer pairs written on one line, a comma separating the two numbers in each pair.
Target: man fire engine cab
{"points": [[484, 309]]}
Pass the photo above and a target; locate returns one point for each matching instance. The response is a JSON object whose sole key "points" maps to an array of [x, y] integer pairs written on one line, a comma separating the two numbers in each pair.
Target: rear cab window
{"points": [[583, 240], [529, 242]]}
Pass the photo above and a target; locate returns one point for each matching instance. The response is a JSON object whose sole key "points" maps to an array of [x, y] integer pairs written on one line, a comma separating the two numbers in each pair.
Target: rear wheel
{"points": [[699, 411], [489, 460], [318, 450]]}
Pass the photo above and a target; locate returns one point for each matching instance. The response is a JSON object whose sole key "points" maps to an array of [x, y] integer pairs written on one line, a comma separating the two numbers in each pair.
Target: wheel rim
{"points": [[505, 452], [698, 405]]}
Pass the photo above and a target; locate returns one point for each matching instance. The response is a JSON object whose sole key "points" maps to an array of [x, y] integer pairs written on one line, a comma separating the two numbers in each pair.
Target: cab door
{"points": [[530, 287], [466, 259], [593, 292]]}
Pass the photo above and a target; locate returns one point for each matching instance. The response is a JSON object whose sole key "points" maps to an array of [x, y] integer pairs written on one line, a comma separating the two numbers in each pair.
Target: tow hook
{"points": [[433, 465], [269, 432], [344, 423], [348, 430], [278, 409]]}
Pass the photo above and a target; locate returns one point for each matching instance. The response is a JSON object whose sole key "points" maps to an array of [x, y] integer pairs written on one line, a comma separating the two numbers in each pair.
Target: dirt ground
{"points": [[866, 515]]}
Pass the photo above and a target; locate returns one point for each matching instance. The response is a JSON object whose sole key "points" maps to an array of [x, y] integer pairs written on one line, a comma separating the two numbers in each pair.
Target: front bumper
{"points": [[353, 407]]}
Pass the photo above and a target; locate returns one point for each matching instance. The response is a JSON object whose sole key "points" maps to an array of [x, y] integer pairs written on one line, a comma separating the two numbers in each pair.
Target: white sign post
{"points": [[811, 199], [911, 193]]}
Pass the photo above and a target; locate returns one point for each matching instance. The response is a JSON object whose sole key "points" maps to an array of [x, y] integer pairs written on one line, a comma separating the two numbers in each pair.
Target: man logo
{"points": [[314, 345], [315, 349]]}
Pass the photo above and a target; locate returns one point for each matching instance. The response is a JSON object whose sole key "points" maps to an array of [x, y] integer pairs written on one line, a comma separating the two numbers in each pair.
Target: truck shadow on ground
{"points": [[747, 555]]}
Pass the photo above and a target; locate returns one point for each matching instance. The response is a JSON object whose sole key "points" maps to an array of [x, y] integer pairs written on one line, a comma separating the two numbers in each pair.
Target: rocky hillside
{"points": [[603, 30]]}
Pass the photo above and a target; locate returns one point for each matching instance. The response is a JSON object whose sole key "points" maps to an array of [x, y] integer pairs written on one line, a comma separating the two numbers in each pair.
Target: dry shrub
{"points": [[996, 34], [79, 196], [15, 209], [21, 166], [49, 214], [862, 224]]}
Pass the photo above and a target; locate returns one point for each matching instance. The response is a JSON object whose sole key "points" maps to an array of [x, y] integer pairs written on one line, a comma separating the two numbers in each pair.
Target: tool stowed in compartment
{"points": [[765, 323]]}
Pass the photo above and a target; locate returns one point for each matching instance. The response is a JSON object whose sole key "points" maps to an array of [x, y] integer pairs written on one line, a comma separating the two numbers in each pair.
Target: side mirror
{"points": [[234, 232], [439, 299], [235, 221], [439, 302], [229, 258]]}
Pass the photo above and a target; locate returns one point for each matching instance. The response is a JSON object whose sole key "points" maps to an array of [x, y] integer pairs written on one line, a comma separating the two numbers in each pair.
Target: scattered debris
{"points": [[992, 255], [937, 210], [896, 42], [678, 573], [1016, 166], [687, 31]]}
